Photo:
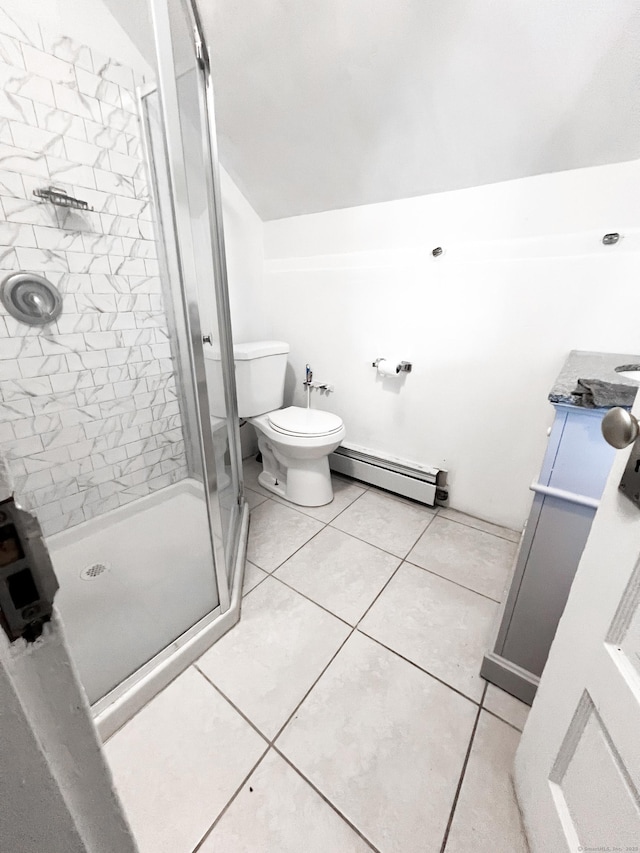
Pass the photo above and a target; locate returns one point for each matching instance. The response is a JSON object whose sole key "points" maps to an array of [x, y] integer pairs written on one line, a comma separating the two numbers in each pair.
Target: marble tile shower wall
{"points": [[88, 412]]}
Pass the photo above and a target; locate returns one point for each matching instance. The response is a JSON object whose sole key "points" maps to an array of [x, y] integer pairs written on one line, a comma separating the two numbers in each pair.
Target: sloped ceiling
{"points": [[323, 104]]}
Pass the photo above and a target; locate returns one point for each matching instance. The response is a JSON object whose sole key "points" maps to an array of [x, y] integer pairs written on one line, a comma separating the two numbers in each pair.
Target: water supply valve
{"points": [[311, 385], [27, 581]]}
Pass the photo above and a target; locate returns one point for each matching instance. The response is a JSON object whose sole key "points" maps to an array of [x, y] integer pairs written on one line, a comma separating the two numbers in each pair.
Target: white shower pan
{"points": [[131, 582]]}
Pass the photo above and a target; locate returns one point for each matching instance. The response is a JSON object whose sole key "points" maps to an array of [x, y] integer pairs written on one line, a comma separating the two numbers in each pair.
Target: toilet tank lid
{"points": [[252, 349], [258, 349]]}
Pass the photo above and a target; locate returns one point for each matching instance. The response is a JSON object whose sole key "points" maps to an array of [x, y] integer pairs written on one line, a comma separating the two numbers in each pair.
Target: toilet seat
{"points": [[301, 423]]}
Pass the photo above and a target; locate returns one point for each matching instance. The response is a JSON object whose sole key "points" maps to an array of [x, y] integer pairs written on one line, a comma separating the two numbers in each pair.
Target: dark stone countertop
{"points": [[582, 364]]}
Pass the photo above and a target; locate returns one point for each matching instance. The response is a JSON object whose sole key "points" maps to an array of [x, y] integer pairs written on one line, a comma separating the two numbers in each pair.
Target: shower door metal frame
{"points": [[169, 106], [221, 281], [127, 698]]}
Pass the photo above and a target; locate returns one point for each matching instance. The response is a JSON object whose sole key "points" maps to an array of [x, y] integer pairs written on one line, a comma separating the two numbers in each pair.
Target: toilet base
{"points": [[306, 484], [296, 466]]}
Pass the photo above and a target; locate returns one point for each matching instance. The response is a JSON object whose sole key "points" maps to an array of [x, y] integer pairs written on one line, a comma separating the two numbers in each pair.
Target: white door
{"points": [[577, 770]]}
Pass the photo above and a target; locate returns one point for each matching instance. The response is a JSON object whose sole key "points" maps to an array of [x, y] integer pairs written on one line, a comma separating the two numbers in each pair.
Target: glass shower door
{"points": [[111, 433], [180, 134]]}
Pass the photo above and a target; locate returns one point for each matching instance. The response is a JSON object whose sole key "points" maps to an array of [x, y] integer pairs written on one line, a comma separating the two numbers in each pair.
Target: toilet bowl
{"points": [[295, 444]]}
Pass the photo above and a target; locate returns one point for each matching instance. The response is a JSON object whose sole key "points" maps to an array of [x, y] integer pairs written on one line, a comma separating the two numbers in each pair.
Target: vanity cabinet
{"points": [[566, 495]]}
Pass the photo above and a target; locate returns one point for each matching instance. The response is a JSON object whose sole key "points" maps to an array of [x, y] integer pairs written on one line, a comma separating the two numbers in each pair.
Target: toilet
{"points": [[295, 442]]}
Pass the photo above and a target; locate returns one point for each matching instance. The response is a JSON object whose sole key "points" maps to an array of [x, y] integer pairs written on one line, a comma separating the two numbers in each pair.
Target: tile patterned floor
{"points": [[345, 712]]}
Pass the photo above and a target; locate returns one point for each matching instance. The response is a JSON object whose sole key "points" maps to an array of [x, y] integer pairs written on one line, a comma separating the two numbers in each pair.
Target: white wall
{"points": [[524, 279], [243, 233]]}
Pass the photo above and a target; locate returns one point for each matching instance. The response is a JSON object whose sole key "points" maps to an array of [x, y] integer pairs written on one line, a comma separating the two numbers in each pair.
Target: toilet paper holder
{"points": [[403, 366]]}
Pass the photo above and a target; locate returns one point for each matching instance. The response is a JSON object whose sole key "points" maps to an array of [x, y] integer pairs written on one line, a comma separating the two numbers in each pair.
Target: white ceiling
{"points": [[324, 104]]}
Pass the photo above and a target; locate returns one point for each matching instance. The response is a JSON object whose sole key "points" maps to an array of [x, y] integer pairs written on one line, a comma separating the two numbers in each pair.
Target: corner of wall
{"points": [[244, 243]]}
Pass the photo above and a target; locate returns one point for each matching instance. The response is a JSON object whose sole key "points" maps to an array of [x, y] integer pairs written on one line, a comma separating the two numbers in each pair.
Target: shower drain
{"points": [[90, 573]]}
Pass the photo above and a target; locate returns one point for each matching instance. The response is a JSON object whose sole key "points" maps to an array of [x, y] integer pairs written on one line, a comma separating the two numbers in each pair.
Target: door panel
{"points": [[577, 770], [625, 630], [598, 799]]}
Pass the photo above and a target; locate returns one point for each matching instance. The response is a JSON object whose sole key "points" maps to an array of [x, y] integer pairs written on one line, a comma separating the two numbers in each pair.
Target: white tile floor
{"points": [[345, 712]]}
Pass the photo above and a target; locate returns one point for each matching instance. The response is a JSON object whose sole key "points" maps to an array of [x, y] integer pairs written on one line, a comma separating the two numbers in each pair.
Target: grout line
{"points": [[311, 600], [456, 583], [324, 525], [235, 794], [233, 704], [322, 672], [256, 492], [366, 542], [255, 506], [313, 536], [421, 668], [431, 511], [348, 506], [436, 510], [298, 508], [346, 533], [494, 713], [272, 741], [502, 719], [326, 799], [260, 582], [353, 536], [388, 581], [297, 549], [460, 781], [480, 530], [403, 557], [274, 575], [429, 523]]}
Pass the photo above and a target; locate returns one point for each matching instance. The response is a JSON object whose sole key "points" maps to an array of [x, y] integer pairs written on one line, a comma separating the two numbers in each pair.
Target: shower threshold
{"points": [[138, 598]]}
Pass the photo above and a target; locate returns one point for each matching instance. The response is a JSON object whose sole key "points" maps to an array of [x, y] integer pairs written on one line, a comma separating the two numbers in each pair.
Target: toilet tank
{"points": [[260, 370]]}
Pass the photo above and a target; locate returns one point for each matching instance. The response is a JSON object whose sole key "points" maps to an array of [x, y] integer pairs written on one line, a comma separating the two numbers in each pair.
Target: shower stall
{"points": [[105, 415]]}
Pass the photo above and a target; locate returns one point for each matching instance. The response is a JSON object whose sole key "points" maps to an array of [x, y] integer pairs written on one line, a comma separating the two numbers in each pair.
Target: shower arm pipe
{"points": [[169, 105]]}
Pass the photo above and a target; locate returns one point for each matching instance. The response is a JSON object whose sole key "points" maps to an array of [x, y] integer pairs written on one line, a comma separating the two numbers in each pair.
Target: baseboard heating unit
{"points": [[418, 482]]}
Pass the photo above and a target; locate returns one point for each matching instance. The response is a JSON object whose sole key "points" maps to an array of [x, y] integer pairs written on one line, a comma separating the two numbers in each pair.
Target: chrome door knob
{"points": [[620, 428]]}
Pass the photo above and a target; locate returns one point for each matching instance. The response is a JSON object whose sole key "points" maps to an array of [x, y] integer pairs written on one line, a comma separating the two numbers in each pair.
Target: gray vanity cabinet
{"points": [[574, 472]]}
